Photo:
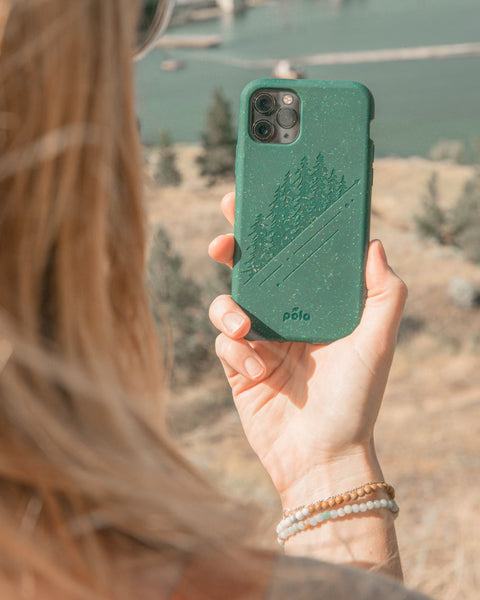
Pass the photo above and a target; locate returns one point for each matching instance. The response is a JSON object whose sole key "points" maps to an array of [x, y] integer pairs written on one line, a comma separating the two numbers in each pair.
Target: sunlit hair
{"points": [[71, 228], [83, 452], [92, 491]]}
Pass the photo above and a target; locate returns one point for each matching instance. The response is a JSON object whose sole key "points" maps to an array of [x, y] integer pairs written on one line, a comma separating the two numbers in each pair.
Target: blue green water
{"points": [[417, 102]]}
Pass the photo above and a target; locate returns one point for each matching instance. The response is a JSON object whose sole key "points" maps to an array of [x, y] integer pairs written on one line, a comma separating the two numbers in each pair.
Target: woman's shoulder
{"points": [[264, 576], [306, 579]]}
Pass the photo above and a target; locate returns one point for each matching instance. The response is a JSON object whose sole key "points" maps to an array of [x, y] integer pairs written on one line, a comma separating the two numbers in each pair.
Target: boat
{"points": [[172, 65]]}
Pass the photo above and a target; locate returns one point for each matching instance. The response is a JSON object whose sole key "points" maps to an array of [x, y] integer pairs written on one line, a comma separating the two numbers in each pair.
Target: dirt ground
{"points": [[429, 428]]}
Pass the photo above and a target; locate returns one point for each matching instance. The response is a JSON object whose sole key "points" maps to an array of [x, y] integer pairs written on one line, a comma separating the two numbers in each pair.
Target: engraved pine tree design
{"points": [[301, 197], [259, 240]]}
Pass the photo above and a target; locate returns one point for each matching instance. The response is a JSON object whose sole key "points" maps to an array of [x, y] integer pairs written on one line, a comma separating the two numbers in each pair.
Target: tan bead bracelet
{"points": [[312, 515], [348, 496]]}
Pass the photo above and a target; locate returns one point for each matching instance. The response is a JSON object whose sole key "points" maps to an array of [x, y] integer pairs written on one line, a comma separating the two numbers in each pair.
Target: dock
{"points": [[393, 54], [358, 57], [189, 41]]}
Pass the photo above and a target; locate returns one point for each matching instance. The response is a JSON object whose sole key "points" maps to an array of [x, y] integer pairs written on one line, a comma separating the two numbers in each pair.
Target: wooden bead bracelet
{"points": [[295, 516], [339, 499]]}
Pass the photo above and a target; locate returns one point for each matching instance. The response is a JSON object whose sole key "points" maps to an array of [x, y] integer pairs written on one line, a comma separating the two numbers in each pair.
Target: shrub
{"points": [[433, 222], [475, 143], [465, 219], [218, 140], [180, 310], [458, 226], [167, 172], [452, 150]]}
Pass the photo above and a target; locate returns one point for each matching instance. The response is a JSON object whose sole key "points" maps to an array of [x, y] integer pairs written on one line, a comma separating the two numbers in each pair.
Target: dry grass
{"points": [[428, 431]]}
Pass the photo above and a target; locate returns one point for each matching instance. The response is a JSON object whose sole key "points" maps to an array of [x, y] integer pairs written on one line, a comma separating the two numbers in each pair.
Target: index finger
{"points": [[228, 207]]}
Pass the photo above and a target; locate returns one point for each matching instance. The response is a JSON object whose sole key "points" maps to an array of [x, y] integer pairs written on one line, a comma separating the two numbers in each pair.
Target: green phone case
{"points": [[302, 215]]}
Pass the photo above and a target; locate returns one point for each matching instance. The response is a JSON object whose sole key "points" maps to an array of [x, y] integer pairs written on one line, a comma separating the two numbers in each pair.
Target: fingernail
{"points": [[382, 250], [233, 322], [254, 368]]}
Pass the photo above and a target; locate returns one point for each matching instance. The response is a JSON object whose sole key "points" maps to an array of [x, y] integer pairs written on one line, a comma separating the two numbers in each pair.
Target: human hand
{"points": [[309, 410]]}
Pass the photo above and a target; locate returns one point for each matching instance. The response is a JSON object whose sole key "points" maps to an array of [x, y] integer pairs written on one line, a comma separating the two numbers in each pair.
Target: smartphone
{"points": [[303, 185]]}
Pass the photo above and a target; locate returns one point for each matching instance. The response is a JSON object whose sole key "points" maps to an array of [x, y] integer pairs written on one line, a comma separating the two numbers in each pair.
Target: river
{"points": [[417, 102]]}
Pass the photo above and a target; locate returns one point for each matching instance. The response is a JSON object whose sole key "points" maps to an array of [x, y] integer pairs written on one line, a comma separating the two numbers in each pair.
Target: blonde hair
{"points": [[92, 489], [72, 224], [87, 471]]}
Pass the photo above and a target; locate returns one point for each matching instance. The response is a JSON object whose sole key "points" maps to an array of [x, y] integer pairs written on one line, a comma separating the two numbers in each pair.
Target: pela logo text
{"points": [[296, 315]]}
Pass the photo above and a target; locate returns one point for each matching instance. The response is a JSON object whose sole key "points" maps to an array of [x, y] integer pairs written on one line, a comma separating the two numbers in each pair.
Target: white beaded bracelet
{"points": [[296, 523]]}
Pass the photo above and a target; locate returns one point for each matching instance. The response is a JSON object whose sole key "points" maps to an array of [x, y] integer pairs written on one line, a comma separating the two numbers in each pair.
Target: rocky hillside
{"points": [[428, 430]]}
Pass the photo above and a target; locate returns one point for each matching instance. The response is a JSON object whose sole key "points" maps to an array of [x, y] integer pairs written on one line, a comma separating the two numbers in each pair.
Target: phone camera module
{"points": [[275, 116], [265, 103], [287, 118], [263, 130]]}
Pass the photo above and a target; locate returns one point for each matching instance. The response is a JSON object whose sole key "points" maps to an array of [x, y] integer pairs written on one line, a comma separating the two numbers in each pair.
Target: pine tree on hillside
{"points": [[456, 226], [218, 139], [434, 220], [465, 220], [179, 306], [167, 173]]}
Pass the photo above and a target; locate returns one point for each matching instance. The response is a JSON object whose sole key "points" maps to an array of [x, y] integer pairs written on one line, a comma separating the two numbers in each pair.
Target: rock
{"points": [[410, 326], [464, 293]]}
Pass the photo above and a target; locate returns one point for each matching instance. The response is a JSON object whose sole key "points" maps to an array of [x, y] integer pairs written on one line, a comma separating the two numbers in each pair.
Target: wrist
{"points": [[366, 540], [334, 476]]}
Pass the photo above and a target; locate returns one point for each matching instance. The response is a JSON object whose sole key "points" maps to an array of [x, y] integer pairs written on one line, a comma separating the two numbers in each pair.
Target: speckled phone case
{"points": [[302, 215]]}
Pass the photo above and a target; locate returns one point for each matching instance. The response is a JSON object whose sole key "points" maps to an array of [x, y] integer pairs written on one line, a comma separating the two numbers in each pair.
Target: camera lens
{"points": [[263, 130], [287, 117], [265, 103]]}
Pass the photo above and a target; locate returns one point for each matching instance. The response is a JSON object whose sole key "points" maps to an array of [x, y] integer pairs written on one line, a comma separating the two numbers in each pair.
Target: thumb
{"points": [[386, 297]]}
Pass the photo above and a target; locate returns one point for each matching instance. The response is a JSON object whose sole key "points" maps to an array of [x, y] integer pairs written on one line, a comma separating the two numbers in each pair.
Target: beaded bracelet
{"points": [[338, 499], [314, 521]]}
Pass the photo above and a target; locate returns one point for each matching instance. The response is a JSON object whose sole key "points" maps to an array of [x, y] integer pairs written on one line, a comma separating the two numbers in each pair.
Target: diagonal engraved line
{"points": [[348, 189], [317, 232], [311, 255], [272, 273]]}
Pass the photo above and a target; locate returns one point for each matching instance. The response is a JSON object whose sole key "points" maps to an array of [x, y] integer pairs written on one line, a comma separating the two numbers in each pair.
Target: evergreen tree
{"points": [[465, 220], [259, 251], [282, 211], [303, 188], [342, 187], [179, 308], [167, 172], [434, 220], [302, 181], [218, 139], [319, 187], [458, 226], [333, 189], [275, 216]]}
